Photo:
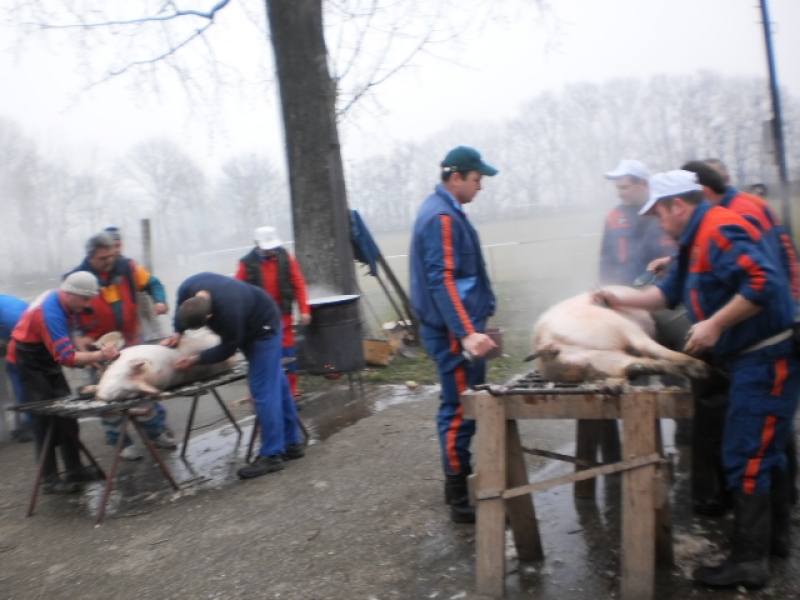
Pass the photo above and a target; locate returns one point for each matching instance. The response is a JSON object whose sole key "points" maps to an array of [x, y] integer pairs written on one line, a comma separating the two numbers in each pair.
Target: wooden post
{"points": [[638, 510], [491, 477], [147, 247]]}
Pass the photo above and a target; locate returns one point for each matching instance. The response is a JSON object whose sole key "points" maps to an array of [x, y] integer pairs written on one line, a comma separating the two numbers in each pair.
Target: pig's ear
{"points": [[139, 366]]}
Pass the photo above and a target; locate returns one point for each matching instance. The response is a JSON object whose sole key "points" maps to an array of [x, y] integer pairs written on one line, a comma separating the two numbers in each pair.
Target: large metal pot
{"points": [[332, 342]]}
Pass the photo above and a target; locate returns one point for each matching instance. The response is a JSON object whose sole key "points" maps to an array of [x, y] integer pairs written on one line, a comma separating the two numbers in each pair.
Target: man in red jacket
{"points": [[271, 267]]}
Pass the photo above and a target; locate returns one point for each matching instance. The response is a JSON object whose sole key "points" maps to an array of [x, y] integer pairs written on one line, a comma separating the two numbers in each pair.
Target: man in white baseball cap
{"points": [[270, 266], [743, 313], [630, 242]]}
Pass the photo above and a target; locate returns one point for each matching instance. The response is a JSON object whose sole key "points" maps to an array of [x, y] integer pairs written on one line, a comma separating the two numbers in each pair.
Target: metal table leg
{"points": [[48, 441]]}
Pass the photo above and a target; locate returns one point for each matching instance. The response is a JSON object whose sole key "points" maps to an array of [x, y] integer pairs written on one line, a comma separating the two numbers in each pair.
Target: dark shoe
{"points": [[85, 475], [295, 451], [456, 494], [261, 466], [752, 575], [55, 485]]}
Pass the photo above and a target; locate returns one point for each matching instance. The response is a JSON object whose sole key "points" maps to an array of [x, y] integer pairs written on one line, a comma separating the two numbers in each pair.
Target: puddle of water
{"points": [[214, 456]]}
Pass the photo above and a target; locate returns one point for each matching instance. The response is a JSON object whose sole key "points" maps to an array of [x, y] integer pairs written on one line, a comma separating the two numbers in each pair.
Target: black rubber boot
{"points": [[709, 494], [456, 494], [467, 472], [781, 514], [747, 564]]}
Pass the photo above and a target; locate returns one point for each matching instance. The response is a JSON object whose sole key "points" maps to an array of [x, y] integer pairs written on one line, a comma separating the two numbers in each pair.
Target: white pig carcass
{"points": [[579, 340], [148, 369]]}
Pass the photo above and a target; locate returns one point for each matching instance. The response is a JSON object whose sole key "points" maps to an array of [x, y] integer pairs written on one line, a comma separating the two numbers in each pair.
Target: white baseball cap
{"points": [[629, 168], [81, 283], [671, 183], [267, 238]]}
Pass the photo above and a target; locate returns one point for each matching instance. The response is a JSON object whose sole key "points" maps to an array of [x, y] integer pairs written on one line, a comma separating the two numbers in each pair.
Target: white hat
{"points": [[629, 168], [267, 238], [671, 183], [81, 283]]}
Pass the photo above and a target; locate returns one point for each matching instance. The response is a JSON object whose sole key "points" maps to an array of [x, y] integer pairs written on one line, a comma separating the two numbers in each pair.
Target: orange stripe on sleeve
{"points": [[696, 305], [757, 277], [449, 280]]}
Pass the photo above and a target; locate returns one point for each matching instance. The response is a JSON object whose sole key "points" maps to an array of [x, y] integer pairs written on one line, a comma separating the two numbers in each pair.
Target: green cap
{"points": [[464, 158]]}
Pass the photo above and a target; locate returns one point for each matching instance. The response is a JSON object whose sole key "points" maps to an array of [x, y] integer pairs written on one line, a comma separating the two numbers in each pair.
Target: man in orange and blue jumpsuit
{"points": [[270, 267], [742, 308], [453, 298], [713, 177]]}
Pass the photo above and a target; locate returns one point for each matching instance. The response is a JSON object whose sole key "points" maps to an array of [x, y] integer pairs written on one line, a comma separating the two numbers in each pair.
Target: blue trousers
{"points": [[763, 398], [456, 374], [275, 407]]}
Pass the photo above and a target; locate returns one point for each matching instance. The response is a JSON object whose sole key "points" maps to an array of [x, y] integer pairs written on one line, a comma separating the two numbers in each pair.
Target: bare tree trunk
{"points": [[316, 173]]}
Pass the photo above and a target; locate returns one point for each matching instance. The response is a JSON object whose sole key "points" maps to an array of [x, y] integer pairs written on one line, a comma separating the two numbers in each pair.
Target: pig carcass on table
{"points": [[579, 340], [148, 369]]}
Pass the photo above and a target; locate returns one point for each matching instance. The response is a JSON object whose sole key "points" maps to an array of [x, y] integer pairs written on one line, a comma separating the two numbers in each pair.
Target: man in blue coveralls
{"points": [[741, 307], [244, 317], [453, 299]]}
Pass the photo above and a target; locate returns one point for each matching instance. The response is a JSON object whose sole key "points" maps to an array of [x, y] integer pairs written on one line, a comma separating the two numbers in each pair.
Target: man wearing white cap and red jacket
{"points": [[452, 296], [271, 267], [741, 305], [40, 346]]}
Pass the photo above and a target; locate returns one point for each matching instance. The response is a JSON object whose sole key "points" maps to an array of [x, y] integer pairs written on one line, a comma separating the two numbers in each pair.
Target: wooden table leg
{"points": [[521, 510], [490, 456], [48, 441], [154, 453], [638, 510], [189, 424], [587, 438]]}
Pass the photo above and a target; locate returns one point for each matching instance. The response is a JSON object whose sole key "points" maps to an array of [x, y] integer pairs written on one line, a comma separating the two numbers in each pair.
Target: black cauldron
{"points": [[332, 342]]}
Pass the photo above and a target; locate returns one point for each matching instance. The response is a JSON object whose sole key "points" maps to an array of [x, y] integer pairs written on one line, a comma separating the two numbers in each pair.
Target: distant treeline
{"points": [[551, 159]]}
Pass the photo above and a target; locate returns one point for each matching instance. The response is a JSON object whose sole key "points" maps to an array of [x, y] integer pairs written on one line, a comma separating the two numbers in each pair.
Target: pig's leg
{"points": [[685, 364], [147, 388], [580, 364]]}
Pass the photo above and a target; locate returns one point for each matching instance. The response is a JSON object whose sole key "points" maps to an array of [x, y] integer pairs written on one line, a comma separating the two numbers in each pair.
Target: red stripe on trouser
{"points": [[781, 373], [450, 447], [753, 465]]}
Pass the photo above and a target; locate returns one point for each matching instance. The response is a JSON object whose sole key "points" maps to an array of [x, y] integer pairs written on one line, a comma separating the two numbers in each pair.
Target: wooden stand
{"points": [[501, 487]]}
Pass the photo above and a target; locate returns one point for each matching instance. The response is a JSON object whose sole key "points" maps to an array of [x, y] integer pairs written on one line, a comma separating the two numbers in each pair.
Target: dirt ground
{"points": [[360, 517]]}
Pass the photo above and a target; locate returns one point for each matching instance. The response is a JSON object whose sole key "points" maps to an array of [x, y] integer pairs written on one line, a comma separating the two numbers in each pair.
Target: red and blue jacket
{"points": [[759, 213], [450, 288], [721, 254], [115, 307], [47, 322], [630, 242]]}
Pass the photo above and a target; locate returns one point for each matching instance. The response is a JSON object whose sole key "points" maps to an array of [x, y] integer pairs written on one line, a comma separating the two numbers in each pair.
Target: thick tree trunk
{"points": [[316, 173]]}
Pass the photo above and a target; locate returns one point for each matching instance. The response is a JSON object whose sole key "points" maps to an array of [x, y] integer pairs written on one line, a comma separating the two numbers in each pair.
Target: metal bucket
{"points": [[332, 342]]}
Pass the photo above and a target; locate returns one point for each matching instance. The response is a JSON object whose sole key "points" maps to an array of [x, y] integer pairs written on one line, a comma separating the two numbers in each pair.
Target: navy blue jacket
{"points": [[721, 254], [450, 287], [240, 313]]}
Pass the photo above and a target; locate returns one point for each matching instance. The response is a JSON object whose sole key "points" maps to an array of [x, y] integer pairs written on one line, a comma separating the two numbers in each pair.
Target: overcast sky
{"points": [[504, 64]]}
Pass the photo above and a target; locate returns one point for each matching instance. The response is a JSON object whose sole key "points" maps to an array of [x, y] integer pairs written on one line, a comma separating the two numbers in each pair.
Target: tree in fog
{"points": [[173, 189], [388, 33], [254, 193]]}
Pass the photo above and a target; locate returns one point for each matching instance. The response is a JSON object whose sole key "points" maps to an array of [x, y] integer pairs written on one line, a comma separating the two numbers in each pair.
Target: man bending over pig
{"points": [[741, 305], [244, 317]]}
